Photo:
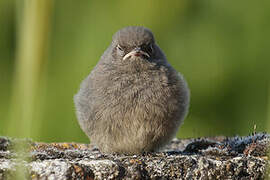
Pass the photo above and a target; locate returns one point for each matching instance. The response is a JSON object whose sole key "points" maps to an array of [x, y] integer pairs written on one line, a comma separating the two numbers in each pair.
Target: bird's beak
{"points": [[136, 52]]}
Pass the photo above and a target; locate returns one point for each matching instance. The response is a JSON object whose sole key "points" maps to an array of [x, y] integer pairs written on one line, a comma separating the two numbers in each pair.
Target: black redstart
{"points": [[133, 101]]}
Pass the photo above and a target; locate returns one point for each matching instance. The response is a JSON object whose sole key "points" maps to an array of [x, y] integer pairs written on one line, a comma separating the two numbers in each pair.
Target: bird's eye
{"points": [[120, 48], [148, 47], [151, 47]]}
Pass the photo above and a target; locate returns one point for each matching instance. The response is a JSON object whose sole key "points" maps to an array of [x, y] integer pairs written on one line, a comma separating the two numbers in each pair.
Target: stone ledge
{"points": [[203, 158]]}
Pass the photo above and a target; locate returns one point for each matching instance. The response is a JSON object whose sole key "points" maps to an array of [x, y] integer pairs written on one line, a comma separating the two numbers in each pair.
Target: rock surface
{"points": [[203, 158]]}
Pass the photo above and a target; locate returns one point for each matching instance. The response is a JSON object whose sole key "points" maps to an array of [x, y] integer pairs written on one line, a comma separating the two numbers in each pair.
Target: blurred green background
{"points": [[48, 47]]}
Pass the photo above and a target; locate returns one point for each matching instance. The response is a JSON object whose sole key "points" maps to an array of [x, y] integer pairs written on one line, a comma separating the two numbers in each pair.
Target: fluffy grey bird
{"points": [[133, 101]]}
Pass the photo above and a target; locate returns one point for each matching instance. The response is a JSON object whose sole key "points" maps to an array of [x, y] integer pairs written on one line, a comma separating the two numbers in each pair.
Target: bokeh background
{"points": [[48, 47]]}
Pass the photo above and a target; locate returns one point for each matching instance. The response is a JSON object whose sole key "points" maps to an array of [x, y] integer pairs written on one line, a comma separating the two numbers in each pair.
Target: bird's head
{"points": [[134, 42]]}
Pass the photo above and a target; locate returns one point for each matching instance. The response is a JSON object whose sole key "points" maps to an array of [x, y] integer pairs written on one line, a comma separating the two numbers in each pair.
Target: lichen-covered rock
{"points": [[203, 158]]}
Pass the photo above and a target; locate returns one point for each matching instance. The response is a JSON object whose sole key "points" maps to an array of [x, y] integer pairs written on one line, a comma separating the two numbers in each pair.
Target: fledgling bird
{"points": [[133, 101]]}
